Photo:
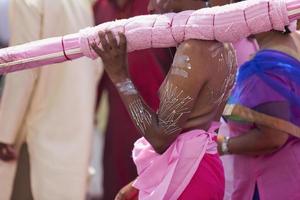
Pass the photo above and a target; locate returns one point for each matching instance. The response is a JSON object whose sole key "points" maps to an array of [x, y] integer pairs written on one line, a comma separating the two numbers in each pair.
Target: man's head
{"points": [[164, 6]]}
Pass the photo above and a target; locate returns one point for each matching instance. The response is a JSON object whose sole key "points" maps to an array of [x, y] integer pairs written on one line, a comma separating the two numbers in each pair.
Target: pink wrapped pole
{"points": [[39, 53], [228, 23]]}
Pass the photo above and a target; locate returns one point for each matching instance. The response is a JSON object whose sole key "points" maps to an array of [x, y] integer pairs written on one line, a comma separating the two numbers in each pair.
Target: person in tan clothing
{"points": [[50, 108]]}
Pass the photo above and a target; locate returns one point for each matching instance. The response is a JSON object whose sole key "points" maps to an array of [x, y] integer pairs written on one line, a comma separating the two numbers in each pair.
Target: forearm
{"points": [[144, 118], [128, 192], [251, 143], [160, 128], [14, 104]]}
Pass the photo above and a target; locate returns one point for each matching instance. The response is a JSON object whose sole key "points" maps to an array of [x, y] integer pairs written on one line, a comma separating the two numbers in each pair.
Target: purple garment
{"points": [[270, 76]]}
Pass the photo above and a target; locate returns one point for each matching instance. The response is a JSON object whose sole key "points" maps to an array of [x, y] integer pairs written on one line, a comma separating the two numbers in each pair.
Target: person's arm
{"points": [[262, 139], [14, 103], [177, 95], [128, 192], [25, 26]]}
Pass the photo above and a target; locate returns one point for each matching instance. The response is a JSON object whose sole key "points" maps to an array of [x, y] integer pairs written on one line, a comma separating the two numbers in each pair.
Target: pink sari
{"points": [[189, 169]]}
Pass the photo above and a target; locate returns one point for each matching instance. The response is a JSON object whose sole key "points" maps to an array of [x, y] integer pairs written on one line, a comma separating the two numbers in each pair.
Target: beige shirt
{"points": [[58, 99], [51, 107]]}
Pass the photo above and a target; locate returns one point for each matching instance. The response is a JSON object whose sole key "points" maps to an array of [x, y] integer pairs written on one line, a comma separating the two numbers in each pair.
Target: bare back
{"points": [[205, 72]]}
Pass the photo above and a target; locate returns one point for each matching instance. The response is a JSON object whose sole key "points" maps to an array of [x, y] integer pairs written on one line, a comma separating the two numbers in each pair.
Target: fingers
{"points": [[109, 43], [112, 39], [103, 41], [97, 50], [120, 196], [127, 193], [7, 153], [133, 193], [123, 41]]}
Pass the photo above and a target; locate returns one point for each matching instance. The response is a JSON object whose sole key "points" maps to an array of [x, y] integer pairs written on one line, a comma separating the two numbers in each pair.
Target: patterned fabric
{"points": [[272, 76]]}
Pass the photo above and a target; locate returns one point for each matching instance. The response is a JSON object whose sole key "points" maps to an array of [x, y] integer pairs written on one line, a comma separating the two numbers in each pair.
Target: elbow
{"points": [[160, 141], [276, 143], [161, 144], [271, 140], [160, 148]]}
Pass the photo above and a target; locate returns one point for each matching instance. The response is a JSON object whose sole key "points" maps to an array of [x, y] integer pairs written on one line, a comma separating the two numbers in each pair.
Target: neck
{"points": [[264, 40], [286, 43]]}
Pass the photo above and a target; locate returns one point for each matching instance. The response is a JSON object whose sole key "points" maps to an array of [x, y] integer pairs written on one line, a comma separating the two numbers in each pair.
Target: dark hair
{"points": [[287, 30]]}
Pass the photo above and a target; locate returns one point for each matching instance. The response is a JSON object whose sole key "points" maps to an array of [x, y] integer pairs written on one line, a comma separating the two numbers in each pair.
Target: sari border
{"points": [[253, 116]]}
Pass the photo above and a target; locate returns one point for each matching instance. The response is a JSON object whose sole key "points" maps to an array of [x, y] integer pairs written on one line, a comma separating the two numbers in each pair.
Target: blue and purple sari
{"points": [[270, 78]]}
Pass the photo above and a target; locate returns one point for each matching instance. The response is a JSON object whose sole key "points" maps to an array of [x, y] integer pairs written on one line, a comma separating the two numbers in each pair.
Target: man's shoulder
{"points": [[198, 46]]}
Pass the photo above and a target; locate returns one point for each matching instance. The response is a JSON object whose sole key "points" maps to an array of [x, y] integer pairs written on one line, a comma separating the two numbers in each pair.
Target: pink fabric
{"points": [[245, 48], [21, 53], [277, 175], [208, 182], [228, 23], [172, 171], [293, 5]]}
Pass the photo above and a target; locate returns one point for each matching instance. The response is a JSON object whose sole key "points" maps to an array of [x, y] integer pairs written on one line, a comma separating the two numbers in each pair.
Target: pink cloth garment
{"points": [[276, 175], [245, 48], [228, 23], [293, 7], [166, 176], [207, 182]]}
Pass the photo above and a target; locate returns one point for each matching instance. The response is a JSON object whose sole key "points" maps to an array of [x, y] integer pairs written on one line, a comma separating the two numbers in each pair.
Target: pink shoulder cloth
{"points": [[228, 23]]}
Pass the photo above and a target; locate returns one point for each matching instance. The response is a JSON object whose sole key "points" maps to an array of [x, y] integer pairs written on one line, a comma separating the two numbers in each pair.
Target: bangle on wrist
{"points": [[126, 87], [224, 145]]}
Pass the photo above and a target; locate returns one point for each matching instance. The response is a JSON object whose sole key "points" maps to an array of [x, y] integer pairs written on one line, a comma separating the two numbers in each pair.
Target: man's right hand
{"points": [[128, 193], [7, 152]]}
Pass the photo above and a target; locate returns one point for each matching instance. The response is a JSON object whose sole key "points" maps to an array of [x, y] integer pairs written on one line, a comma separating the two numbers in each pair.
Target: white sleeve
{"points": [[25, 24]]}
